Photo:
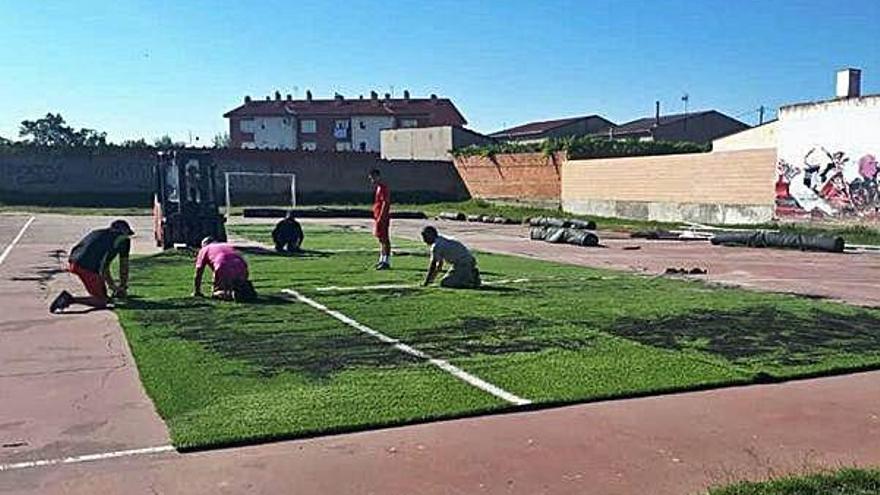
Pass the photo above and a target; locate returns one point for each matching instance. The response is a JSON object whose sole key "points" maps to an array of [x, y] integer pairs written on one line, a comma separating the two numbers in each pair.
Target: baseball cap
{"points": [[122, 226]]}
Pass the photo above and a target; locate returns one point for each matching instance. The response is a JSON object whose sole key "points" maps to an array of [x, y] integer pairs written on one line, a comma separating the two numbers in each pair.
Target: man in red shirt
{"points": [[382, 219]]}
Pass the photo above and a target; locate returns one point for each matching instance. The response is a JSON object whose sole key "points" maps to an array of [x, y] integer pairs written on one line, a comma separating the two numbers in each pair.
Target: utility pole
{"points": [[761, 115], [685, 98]]}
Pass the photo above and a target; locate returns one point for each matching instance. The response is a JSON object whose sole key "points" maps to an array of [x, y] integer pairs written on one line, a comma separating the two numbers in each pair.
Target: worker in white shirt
{"points": [[464, 273]]}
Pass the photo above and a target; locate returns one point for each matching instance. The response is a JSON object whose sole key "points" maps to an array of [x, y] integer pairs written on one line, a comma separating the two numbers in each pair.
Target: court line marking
{"points": [[446, 366], [336, 288], [86, 458], [16, 239]]}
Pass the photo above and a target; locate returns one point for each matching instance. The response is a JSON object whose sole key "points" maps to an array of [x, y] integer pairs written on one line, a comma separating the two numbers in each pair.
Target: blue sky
{"points": [[147, 68]]}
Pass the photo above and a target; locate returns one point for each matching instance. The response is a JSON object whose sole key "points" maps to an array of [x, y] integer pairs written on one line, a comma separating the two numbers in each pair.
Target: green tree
{"points": [[221, 140], [52, 130], [166, 142], [5, 142], [135, 143]]}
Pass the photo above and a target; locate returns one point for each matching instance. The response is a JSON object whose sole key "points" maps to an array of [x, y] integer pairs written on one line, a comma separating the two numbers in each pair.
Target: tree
{"points": [[52, 130], [5, 142], [221, 140], [135, 143], [166, 142]]}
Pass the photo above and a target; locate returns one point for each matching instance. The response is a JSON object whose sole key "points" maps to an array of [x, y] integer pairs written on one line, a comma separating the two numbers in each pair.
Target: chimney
{"points": [[247, 99], [374, 95], [308, 95], [657, 113], [387, 96], [433, 98], [849, 83], [268, 98], [406, 94], [338, 98], [289, 97], [360, 97], [277, 96]]}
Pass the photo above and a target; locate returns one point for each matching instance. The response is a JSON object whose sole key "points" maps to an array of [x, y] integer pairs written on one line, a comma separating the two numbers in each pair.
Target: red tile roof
{"points": [[440, 111]]}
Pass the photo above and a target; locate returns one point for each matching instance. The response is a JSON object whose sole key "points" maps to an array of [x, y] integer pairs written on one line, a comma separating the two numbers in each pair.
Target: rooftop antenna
{"points": [[391, 88]]}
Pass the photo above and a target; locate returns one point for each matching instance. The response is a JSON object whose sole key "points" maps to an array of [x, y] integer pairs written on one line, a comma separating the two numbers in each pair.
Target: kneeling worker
{"points": [[230, 272], [90, 260], [288, 234], [464, 273]]}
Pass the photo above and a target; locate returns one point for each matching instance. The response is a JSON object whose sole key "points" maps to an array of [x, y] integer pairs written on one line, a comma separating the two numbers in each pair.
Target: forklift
{"points": [[185, 208]]}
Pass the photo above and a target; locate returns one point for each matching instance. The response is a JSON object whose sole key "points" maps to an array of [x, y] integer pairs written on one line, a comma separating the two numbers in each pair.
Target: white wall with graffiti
{"points": [[827, 160]]}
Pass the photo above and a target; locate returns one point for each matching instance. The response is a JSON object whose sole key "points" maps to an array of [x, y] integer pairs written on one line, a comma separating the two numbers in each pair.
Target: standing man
{"points": [[288, 234], [230, 272], [382, 219], [90, 260], [464, 273]]}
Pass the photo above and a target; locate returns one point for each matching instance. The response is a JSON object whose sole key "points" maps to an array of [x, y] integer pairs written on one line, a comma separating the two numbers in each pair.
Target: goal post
{"points": [[256, 175]]}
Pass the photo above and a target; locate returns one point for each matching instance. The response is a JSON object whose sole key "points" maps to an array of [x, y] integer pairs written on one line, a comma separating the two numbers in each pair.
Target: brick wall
{"points": [[720, 187], [528, 177], [125, 176]]}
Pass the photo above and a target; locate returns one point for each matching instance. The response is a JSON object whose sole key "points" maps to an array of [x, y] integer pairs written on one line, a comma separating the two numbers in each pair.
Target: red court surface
{"points": [[68, 387]]}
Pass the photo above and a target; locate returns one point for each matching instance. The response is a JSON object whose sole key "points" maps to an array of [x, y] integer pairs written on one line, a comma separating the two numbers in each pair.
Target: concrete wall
{"points": [[525, 177], [427, 143], [760, 137], [125, 176], [369, 134], [827, 160], [730, 187]]}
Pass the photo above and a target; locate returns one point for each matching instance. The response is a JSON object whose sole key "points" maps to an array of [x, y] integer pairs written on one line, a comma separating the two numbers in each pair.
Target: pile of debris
{"points": [[564, 231], [461, 217]]}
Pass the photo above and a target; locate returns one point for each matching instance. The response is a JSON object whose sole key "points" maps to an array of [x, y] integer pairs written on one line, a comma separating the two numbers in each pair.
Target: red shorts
{"points": [[93, 282], [380, 228]]}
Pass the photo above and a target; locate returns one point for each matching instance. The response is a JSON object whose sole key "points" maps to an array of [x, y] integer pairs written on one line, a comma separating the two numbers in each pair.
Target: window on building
{"points": [[247, 125], [340, 129], [309, 146], [409, 123], [308, 126], [362, 124], [343, 146], [363, 146]]}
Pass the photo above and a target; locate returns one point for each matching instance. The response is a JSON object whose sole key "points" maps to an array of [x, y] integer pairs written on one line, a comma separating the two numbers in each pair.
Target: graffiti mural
{"points": [[827, 183]]}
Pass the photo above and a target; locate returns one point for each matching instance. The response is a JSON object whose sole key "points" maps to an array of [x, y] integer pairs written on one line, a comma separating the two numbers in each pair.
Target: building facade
{"points": [[333, 124], [428, 143]]}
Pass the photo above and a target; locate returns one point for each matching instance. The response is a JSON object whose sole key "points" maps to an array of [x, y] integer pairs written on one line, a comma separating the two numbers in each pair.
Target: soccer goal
{"points": [[259, 189]]}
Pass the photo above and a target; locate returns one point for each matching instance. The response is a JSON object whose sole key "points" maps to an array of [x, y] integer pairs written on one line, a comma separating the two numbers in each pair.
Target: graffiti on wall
{"points": [[828, 184]]}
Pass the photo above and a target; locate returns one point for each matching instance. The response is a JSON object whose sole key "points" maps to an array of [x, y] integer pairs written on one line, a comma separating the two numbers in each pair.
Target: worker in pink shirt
{"points": [[230, 272]]}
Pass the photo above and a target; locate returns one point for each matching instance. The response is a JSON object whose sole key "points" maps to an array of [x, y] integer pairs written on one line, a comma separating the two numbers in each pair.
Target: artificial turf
{"points": [[223, 373], [843, 482]]}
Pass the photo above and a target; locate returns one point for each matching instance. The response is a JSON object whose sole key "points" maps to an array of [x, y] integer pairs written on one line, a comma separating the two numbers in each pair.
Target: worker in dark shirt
{"points": [[288, 234], [90, 260]]}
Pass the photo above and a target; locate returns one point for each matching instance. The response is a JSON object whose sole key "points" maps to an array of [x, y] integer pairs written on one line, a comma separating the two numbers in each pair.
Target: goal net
{"points": [[259, 189]]}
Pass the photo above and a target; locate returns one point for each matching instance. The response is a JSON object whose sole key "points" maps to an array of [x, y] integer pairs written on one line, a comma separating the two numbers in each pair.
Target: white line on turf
{"points": [[16, 239], [444, 365], [335, 288], [86, 458]]}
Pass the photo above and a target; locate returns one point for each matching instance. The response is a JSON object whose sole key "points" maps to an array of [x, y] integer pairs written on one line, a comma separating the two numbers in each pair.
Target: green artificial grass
{"points": [[843, 482], [222, 373]]}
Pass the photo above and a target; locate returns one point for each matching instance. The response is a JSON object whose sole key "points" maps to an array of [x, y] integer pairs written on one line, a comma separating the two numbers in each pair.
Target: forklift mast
{"points": [[185, 208]]}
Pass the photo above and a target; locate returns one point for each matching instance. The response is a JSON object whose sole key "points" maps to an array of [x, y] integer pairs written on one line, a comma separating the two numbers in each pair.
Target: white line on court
{"points": [[335, 288], [16, 239], [86, 458], [444, 365]]}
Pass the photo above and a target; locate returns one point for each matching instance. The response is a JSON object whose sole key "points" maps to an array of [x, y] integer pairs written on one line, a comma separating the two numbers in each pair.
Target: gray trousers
{"points": [[462, 276]]}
